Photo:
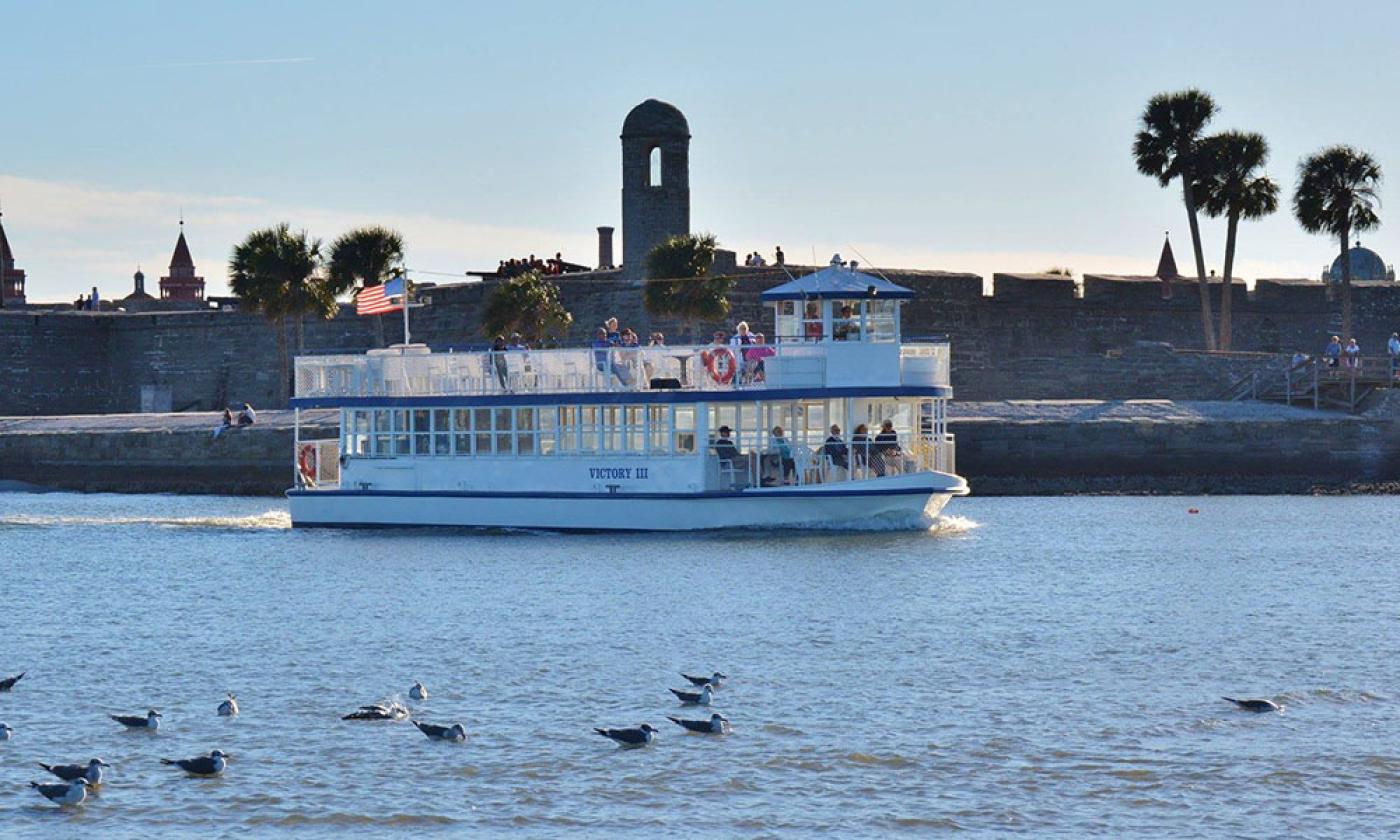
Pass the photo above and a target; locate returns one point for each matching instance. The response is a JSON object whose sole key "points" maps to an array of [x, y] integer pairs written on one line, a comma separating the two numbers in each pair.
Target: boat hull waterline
{"points": [[911, 499]]}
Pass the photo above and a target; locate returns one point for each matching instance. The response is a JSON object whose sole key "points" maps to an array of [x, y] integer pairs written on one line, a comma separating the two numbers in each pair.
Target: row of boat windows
{"points": [[636, 429], [520, 431]]}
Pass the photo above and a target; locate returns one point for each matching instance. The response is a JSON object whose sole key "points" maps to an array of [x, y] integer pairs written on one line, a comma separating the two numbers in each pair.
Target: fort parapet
{"points": [[1036, 336]]}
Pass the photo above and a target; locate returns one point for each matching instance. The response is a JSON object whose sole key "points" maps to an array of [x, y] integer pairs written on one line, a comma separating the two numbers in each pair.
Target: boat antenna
{"points": [[869, 263]]}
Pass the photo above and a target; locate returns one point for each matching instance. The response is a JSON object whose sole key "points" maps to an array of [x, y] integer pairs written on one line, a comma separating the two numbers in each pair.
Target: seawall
{"points": [[1004, 448]]}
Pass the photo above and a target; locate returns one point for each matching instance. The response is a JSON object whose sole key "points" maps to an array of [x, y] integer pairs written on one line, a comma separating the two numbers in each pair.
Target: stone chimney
{"points": [[605, 243]]}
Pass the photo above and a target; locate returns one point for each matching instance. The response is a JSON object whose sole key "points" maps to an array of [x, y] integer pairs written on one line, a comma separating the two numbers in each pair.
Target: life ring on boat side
{"points": [[306, 463], [721, 364]]}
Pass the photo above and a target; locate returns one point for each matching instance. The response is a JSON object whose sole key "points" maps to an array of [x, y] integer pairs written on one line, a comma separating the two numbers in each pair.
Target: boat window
{"points": [[811, 328], [442, 431], [503, 431], [422, 431], [481, 429], [525, 432], [547, 421], [613, 417], [401, 431], [588, 428], [685, 428], [568, 428], [847, 317], [658, 429], [882, 319], [462, 428], [635, 439]]}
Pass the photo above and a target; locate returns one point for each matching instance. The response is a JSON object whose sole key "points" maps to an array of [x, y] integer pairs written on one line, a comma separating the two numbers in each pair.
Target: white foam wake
{"points": [[269, 520]]}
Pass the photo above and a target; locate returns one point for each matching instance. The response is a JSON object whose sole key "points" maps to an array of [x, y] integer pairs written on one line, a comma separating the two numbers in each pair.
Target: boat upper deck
{"points": [[415, 371]]}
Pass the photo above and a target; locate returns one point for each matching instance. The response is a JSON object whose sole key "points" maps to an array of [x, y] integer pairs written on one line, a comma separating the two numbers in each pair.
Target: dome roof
{"points": [[654, 118], [1365, 265]]}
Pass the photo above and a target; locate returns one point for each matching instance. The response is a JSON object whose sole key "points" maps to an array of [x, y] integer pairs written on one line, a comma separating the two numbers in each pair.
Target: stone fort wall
{"points": [[1035, 337]]}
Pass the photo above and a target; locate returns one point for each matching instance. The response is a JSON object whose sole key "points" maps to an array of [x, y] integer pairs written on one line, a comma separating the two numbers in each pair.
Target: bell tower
{"points": [[655, 182]]}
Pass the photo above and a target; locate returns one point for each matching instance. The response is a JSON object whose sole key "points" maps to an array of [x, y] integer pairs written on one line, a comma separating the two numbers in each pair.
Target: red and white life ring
{"points": [[306, 462], [721, 364]]}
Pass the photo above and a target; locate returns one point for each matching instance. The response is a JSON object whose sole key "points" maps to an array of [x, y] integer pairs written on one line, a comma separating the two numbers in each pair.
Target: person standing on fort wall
{"points": [[1393, 348]]}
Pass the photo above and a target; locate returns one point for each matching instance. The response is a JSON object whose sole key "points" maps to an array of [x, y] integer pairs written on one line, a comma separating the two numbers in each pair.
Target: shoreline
{"points": [[1006, 448]]}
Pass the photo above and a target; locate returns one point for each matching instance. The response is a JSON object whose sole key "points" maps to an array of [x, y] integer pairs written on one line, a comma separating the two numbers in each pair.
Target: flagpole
{"points": [[406, 338]]}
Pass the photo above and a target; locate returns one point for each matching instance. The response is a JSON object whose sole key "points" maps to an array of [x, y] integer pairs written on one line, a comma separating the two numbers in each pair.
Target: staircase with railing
{"points": [[1315, 383]]}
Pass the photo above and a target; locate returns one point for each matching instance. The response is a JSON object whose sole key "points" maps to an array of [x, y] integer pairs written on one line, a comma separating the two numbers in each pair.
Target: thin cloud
{"points": [[227, 63]]}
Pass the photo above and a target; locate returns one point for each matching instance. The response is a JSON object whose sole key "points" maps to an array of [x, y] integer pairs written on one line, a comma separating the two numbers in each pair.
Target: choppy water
{"points": [[1031, 666]]}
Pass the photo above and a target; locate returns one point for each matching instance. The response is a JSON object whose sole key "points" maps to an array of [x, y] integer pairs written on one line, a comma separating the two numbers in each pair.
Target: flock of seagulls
{"points": [[632, 737], [454, 733]]}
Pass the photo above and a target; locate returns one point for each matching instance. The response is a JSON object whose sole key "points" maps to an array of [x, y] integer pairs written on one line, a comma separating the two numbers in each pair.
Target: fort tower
{"points": [[655, 182]]}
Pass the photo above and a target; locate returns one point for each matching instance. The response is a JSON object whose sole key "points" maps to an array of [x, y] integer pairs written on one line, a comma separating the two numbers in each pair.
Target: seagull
{"points": [[64, 793], [151, 721], [718, 724], [92, 771], [695, 698], [393, 711], [6, 733], [229, 707], [456, 732], [1253, 705], [9, 682], [631, 738], [716, 679], [201, 765], [418, 692]]}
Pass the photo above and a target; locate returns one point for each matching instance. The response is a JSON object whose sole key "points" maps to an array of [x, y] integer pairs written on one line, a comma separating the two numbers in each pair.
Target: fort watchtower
{"points": [[655, 182]]}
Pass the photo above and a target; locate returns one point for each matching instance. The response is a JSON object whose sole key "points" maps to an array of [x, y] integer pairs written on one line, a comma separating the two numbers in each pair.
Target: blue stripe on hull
{"points": [[733, 494]]}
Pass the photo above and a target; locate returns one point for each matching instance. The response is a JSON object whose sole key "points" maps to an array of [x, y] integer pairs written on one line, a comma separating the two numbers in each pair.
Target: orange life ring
{"points": [[306, 462], [721, 364]]}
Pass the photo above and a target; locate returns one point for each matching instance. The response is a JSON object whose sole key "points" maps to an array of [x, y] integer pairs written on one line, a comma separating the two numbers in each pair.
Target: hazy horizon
{"points": [[987, 139]]}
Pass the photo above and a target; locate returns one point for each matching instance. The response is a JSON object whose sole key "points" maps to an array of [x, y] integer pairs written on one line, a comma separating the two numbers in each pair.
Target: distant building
{"points": [[1366, 265], [11, 278], [138, 298], [182, 283], [655, 183], [1166, 268]]}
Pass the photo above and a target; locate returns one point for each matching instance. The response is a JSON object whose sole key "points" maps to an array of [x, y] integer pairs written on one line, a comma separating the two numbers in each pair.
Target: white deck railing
{"points": [[414, 371]]}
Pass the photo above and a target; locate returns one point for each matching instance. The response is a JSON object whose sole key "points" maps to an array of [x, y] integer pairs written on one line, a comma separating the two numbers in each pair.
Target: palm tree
{"points": [[363, 257], [1336, 194], [1165, 149], [528, 304], [273, 270], [1230, 186], [677, 285]]}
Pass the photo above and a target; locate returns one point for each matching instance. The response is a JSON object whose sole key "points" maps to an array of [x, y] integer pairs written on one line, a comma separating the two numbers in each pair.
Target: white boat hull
{"points": [[907, 501]]}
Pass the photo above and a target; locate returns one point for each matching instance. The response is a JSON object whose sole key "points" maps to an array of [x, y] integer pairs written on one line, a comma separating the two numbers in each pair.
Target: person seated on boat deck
{"points": [[602, 356], [658, 339], [887, 455], [742, 337], [721, 337], [247, 416], [812, 321], [784, 451], [860, 445], [517, 343], [835, 449], [498, 359], [614, 335], [725, 450]]}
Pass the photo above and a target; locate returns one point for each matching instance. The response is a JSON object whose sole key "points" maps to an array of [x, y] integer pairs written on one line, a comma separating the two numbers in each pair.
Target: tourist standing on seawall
{"points": [[1394, 349], [1333, 352], [778, 258], [1353, 352]]}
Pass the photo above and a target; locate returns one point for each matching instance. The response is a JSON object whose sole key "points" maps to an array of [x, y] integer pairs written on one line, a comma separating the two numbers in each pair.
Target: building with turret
{"points": [[11, 278], [655, 182], [182, 284]]}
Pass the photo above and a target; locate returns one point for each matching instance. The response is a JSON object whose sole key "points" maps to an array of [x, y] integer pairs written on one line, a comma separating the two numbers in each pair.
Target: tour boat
{"points": [[652, 438]]}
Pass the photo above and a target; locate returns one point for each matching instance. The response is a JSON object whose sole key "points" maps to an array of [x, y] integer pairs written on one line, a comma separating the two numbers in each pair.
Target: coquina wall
{"points": [[1036, 337]]}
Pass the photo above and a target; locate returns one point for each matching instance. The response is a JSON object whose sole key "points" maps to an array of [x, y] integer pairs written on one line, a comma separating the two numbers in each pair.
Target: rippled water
{"points": [[1032, 666]]}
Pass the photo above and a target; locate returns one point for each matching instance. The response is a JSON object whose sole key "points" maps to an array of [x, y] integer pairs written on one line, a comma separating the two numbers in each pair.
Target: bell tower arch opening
{"points": [[655, 182]]}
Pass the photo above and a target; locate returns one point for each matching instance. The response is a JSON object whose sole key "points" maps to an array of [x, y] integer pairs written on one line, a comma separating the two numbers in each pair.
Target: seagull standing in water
{"points": [[1255, 705], [631, 738], [456, 733], [703, 697], [716, 679], [63, 793], [229, 708], [201, 765], [92, 771], [9, 682], [6, 733], [418, 692], [151, 721], [718, 724]]}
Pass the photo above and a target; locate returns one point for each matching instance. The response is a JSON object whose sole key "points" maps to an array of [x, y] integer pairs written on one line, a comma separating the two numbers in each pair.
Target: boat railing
{"points": [[414, 371]]}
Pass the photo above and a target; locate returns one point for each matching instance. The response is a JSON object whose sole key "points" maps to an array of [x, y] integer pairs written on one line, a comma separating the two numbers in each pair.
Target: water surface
{"points": [[1030, 666]]}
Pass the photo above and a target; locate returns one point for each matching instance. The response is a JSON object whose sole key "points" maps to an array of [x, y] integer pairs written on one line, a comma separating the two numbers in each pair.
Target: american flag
{"points": [[376, 300]]}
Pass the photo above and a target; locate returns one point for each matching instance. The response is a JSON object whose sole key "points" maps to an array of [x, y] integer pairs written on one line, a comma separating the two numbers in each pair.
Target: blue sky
{"points": [[972, 136]]}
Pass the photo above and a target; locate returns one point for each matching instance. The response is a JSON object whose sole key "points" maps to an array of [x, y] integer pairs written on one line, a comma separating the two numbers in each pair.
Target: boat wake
{"points": [[273, 520]]}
